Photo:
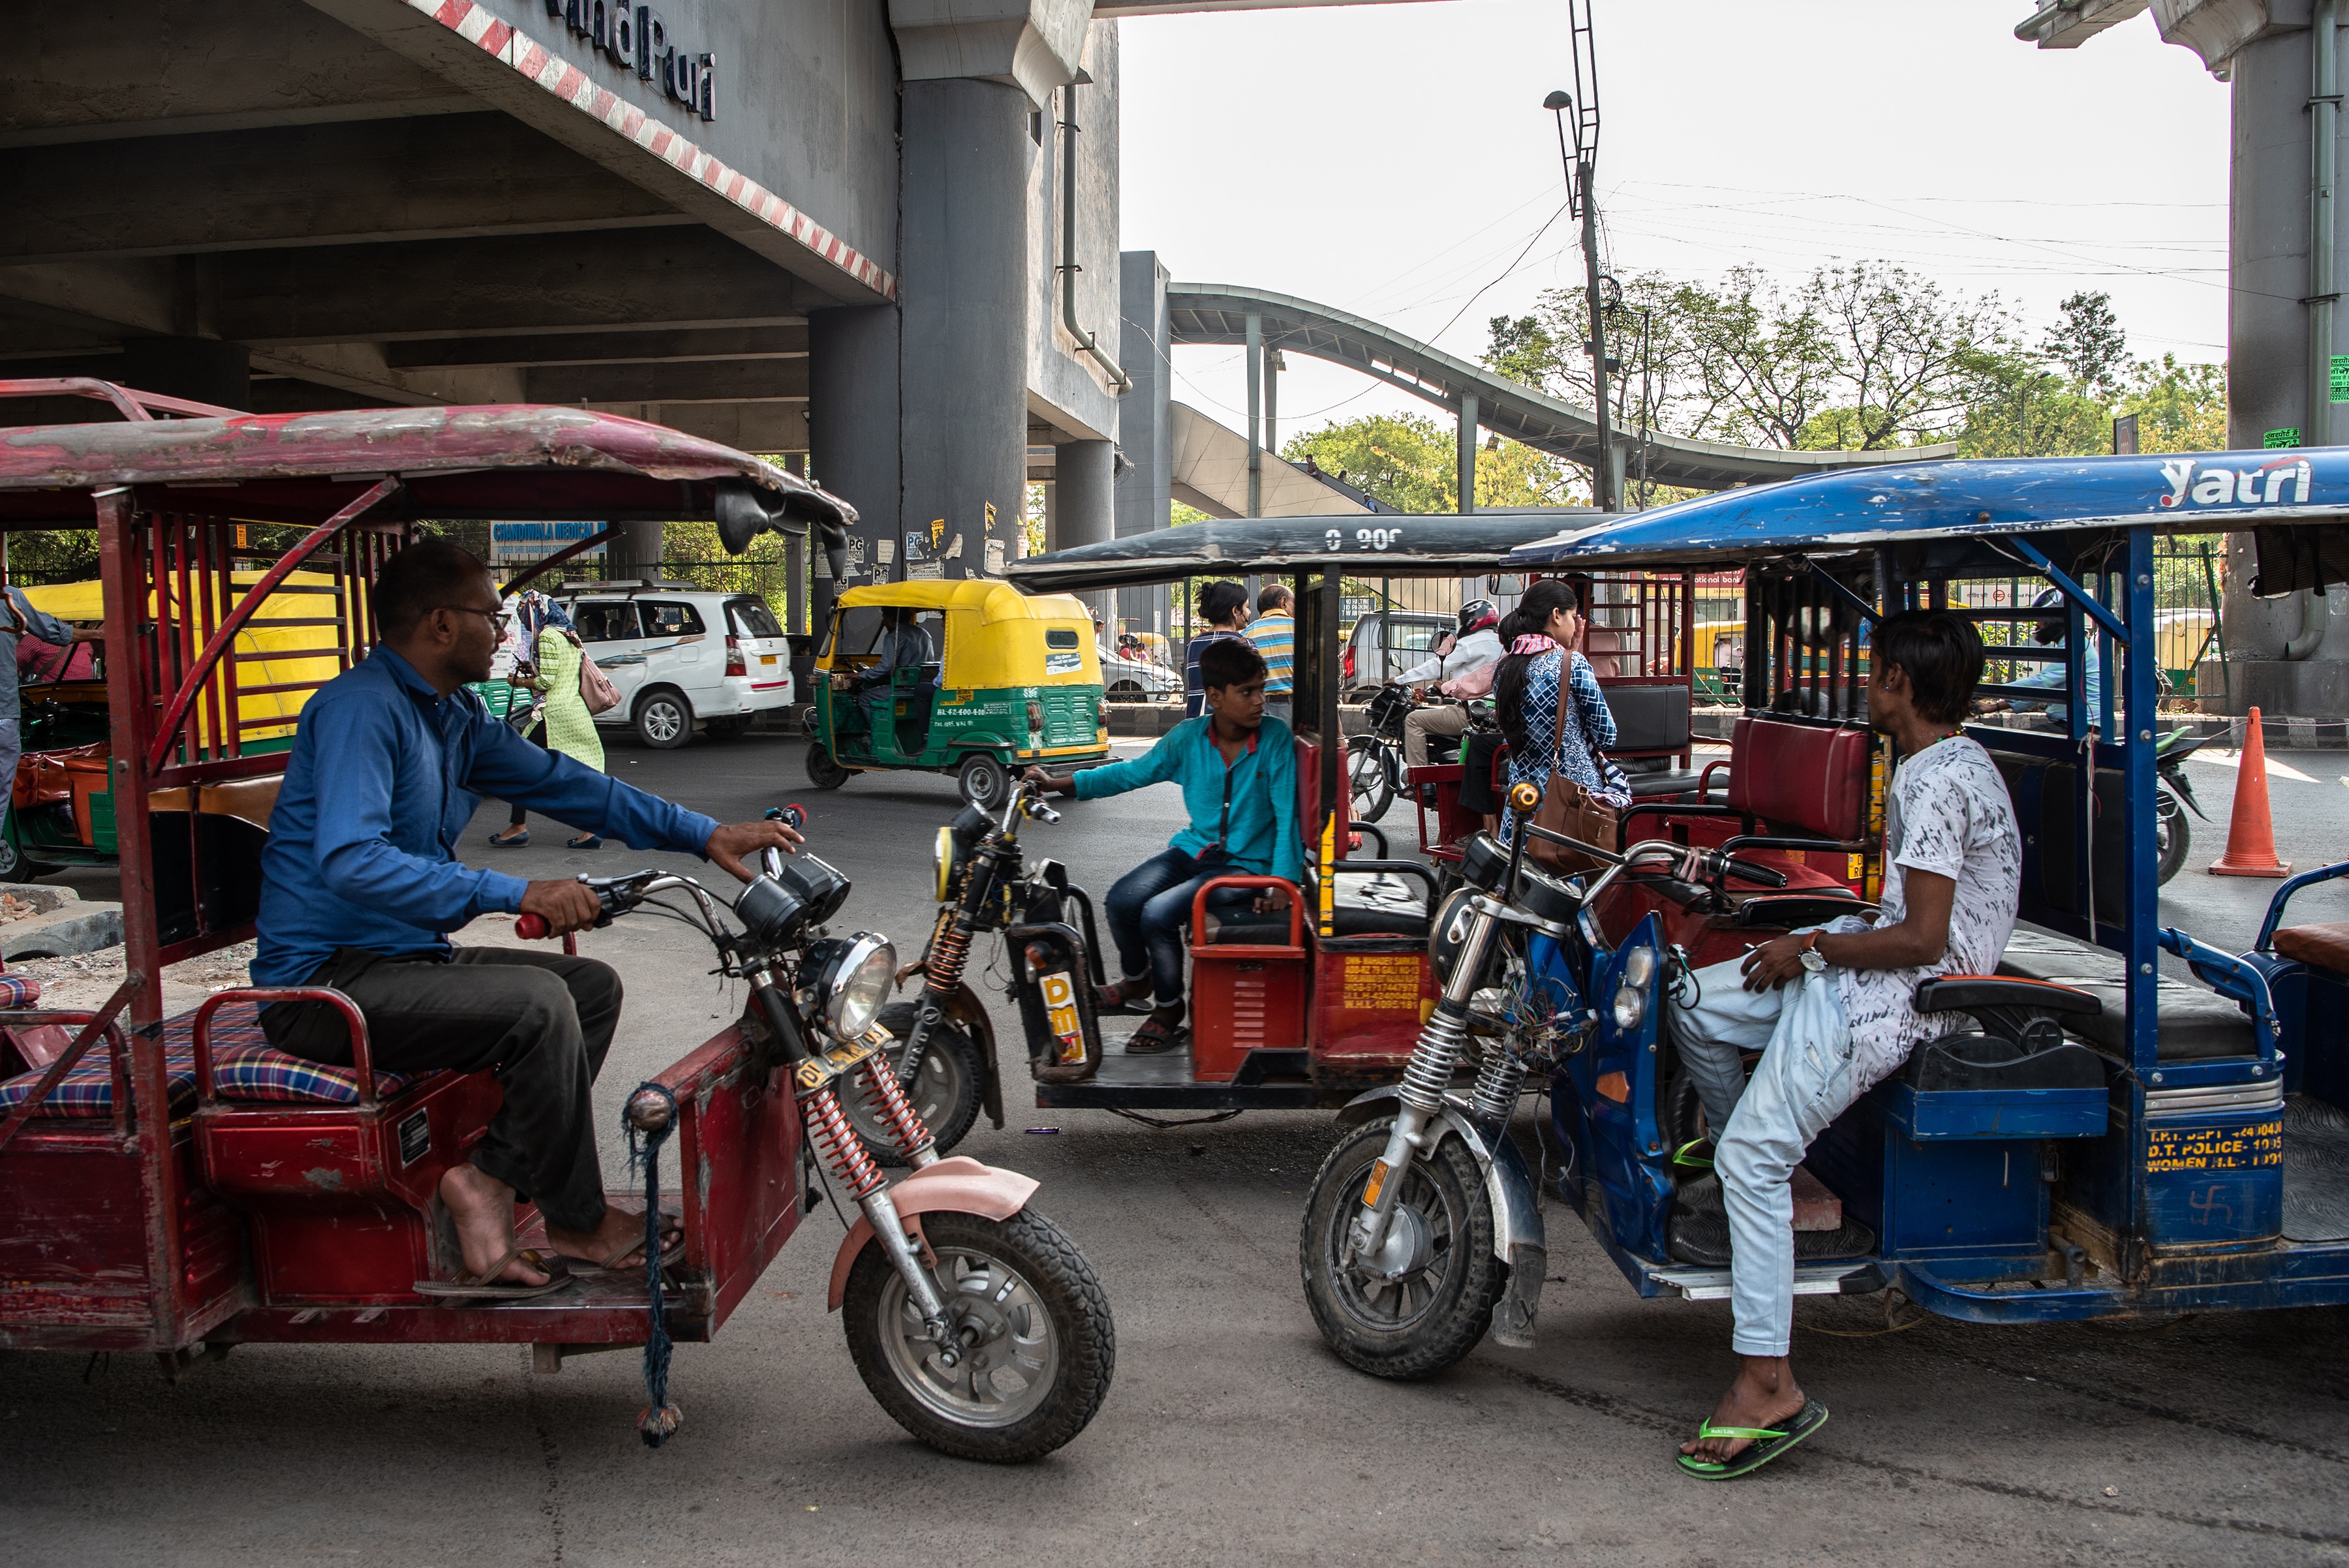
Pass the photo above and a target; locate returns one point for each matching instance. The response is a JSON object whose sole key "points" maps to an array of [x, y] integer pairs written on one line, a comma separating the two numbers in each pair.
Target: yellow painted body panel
{"points": [[995, 635]]}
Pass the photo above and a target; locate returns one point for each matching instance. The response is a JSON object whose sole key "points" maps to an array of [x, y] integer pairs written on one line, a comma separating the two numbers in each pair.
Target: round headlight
{"points": [[854, 977], [1640, 967], [1630, 1006]]}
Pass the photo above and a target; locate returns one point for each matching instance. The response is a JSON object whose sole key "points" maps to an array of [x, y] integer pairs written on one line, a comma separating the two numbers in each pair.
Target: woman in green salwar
{"points": [[555, 652]]}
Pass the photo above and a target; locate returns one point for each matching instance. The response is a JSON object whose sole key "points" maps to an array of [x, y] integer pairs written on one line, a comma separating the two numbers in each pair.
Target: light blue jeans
{"points": [[1761, 1128]]}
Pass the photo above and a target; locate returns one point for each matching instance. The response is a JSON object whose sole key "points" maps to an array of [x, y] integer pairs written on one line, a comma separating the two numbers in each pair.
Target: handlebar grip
{"points": [[532, 928], [1747, 871]]}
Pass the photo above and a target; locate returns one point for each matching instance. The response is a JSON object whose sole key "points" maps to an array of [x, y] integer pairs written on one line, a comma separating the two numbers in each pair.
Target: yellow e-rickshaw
{"points": [[1006, 680]]}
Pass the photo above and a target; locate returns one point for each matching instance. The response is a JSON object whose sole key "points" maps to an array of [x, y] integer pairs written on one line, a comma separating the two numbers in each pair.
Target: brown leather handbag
{"points": [[1568, 808]]}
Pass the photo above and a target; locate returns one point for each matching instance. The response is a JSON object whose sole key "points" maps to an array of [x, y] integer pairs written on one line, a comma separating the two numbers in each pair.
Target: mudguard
{"points": [[957, 1184], [1519, 1238], [968, 1010]]}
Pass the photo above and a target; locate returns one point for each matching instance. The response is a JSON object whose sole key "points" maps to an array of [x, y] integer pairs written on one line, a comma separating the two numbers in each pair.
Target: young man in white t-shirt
{"points": [[1952, 871]]}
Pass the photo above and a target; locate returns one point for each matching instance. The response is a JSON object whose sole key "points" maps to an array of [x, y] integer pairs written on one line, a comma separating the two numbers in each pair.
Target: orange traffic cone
{"points": [[2250, 834]]}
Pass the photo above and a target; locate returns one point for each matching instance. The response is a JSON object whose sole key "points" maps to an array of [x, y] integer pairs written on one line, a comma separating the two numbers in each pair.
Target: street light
{"points": [[1581, 165]]}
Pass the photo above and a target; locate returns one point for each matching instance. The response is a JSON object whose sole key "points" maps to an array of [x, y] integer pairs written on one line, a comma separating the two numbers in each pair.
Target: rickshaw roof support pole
{"points": [[1333, 743], [2072, 590], [133, 666], [1867, 612], [2143, 883], [175, 713], [592, 542]]}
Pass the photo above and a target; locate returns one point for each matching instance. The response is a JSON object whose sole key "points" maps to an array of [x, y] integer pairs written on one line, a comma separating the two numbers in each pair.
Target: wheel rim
{"points": [[936, 1086], [1013, 1352], [1380, 1305], [663, 721], [1365, 772], [982, 781]]}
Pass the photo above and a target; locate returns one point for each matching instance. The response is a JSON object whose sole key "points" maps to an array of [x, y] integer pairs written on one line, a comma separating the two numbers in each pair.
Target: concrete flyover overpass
{"points": [[1221, 314]]}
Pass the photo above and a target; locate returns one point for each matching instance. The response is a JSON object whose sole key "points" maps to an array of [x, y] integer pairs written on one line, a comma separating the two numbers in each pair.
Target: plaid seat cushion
{"points": [[246, 1067], [19, 991]]}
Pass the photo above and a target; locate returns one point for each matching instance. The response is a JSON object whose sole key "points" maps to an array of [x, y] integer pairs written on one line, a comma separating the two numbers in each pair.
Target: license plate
{"points": [[1378, 1180], [766, 658]]}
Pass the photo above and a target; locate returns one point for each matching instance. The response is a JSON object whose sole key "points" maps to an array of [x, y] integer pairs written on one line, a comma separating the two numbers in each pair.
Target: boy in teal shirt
{"points": [[1237, 770]]}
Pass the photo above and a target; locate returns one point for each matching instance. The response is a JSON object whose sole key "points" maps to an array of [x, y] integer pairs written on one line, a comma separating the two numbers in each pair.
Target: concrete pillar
{"points": [[1465, 442], [1146, 490], [202, 370], [1085, 503], [964, 286], [853, 437], [633, 550]]}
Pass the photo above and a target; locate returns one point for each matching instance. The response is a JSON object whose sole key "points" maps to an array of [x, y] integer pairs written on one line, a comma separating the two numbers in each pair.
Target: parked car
{"points": [[1136, 679], [1411, 637], [681, 657]]}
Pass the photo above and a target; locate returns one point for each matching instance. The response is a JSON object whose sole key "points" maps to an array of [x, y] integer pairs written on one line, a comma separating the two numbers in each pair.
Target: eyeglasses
{"points": [[498, 620]]}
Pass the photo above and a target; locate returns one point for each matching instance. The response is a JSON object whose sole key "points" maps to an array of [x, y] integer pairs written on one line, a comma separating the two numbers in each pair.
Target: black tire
{"points": [[1056, 1299], [1125, 691], [945, 1090], [16, 866], [823, 771], [1419, 1335], [2173, 835], [984, 781], [1372, 775], [663, 719]]}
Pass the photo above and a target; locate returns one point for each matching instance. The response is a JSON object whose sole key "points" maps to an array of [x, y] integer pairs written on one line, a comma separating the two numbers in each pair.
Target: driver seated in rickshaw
{"points": [[1237, 770], [1952, 875], [905, 644], [359, 888]]}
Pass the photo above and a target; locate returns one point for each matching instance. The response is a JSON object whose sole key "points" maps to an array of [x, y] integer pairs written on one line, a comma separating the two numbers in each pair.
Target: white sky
{"points": [[1391, 160]]}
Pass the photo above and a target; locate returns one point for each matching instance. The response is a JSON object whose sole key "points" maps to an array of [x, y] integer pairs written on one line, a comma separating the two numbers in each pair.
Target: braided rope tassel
{"points": [[648, 1128]]}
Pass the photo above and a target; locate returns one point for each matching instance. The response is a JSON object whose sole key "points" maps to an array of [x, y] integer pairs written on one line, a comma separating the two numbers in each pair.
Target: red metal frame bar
{"points": [[556, 559], [131, 402], [100, 1022], [175, 713], [362, 1063]]}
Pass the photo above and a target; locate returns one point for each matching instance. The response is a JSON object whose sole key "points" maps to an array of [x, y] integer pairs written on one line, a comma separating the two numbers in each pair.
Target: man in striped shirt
{"points": [[1273, 634]]}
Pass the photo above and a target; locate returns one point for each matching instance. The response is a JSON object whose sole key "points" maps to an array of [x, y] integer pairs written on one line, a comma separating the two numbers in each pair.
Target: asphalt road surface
{"points": [[1231, 1435]]}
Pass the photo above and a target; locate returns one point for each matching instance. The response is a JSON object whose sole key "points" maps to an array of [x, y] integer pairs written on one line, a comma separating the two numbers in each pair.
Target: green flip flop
{"points": [[1768, 1443], [1696, 1154]]}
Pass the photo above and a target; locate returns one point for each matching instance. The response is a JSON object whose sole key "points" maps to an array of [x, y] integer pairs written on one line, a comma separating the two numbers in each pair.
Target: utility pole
{"points": [[1581, 170]]}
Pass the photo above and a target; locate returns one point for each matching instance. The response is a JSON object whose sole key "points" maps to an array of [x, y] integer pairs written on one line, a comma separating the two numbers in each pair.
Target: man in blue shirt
{"points": [[1238, 774], [359, 890]]}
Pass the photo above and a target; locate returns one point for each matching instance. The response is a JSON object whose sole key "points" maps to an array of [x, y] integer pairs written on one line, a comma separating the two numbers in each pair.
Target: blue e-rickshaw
{"points": [[2128, 1121]]}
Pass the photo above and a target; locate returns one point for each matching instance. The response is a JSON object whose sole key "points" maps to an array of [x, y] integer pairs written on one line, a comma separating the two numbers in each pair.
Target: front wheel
{"points": [[823, 769], [1371, 777], [1434, 1299], [664, 722], [2173, 835], [945, 1090], [1038, 1342], [984, 783]]}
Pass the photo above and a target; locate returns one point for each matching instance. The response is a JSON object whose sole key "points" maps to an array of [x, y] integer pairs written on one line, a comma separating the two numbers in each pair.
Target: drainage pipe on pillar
{"points": [[1464, 445], [2324, 289], [1256, 415], [1088, 341]]}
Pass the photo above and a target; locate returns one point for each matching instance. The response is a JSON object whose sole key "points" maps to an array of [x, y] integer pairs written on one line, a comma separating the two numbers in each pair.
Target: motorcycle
{"points": [[973, 1319], [1422, 1231], [2172, 832]]}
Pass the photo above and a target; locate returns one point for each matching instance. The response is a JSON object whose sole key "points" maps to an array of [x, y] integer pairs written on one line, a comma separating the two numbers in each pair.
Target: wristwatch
{"points": [[1811, 958]]}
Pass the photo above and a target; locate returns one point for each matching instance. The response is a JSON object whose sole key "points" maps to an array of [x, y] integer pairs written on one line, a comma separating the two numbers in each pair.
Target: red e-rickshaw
{"points": [[174, 1185]]}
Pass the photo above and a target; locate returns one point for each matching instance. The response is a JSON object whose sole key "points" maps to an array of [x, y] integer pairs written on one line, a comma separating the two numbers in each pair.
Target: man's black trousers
{"points": [[541, 1022]]}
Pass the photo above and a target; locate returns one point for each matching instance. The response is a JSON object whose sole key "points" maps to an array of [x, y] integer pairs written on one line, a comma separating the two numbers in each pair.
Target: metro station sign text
{"points": [[636, 37]]}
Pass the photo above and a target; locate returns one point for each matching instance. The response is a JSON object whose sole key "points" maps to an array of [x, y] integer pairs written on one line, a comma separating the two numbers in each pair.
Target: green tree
{"points": [[1408, 460], [2087, 341], [2179, 408]]}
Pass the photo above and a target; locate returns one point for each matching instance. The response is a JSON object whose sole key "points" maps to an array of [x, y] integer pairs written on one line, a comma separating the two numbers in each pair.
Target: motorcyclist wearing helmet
{"points": [[2054, 675], [1477, 649]]}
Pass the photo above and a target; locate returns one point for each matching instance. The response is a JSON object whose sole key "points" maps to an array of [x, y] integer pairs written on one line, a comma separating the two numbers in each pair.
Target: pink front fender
{"points": [[956, 1184]]}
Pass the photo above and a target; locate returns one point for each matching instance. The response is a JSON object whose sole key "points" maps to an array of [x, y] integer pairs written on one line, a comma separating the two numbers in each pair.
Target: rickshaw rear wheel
{"points": [[16, 866], [823, 770], [1417, 1325], [1039, 1344], [984, 781], [945, 1090]]}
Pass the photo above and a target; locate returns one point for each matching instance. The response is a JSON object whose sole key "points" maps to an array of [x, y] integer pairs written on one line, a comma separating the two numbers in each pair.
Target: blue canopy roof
{"points": [[2175, 491]]}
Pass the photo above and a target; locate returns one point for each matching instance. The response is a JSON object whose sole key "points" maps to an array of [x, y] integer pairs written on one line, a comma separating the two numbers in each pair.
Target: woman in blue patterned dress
{"points": [[1540, 634]]}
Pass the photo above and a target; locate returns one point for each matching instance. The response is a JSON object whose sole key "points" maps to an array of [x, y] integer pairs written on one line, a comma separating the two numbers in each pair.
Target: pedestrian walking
{"points": [[566, 726]]}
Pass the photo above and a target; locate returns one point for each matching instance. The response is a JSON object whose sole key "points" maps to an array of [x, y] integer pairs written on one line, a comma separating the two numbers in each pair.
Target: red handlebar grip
{"points": [[530, 927]]}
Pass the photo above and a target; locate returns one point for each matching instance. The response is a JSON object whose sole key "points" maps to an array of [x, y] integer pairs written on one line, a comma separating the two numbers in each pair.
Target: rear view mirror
{"points": [[1506, 585], [743, 511]]}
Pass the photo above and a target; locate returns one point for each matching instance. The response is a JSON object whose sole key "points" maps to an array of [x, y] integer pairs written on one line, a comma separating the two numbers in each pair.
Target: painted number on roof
{"points": [[1366, 538]]}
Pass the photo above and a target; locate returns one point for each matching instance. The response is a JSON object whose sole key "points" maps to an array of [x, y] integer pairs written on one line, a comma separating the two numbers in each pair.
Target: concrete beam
{"points": [[708, 382], [641, 279], [776, 427], [1032, 44], [603, 348], [146, 67], [386, 180]]}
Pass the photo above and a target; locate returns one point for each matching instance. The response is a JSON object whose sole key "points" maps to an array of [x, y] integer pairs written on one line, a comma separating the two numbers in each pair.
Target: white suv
{"points": [[680, 656]]}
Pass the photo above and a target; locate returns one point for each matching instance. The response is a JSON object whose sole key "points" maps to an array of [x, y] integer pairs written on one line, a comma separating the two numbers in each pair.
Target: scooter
{"points": [[2172, 832]]}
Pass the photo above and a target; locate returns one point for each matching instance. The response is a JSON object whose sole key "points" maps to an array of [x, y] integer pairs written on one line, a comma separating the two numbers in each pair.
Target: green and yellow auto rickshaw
{"points": [[1008, 680]]}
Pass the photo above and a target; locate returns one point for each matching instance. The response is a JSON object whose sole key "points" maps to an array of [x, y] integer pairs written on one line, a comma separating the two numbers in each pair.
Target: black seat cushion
{"points": [[2196, 1023], [1658, 785], [1252, 929], [1650, 718], [1971, 1062]]}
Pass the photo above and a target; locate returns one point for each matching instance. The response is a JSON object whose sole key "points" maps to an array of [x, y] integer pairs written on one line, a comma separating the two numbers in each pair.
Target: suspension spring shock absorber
{"points": [[888, 1098], [852, 1165], [943, 972], [1498, 1082], [1442, 1039]]}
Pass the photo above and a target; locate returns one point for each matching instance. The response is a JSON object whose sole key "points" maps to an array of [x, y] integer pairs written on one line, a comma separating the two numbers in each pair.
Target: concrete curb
{"points": [[63, 924]]}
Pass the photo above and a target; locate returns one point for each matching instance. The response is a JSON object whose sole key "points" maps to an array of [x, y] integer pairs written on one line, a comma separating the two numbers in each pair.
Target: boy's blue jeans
{"points": [[1149, 911]]}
